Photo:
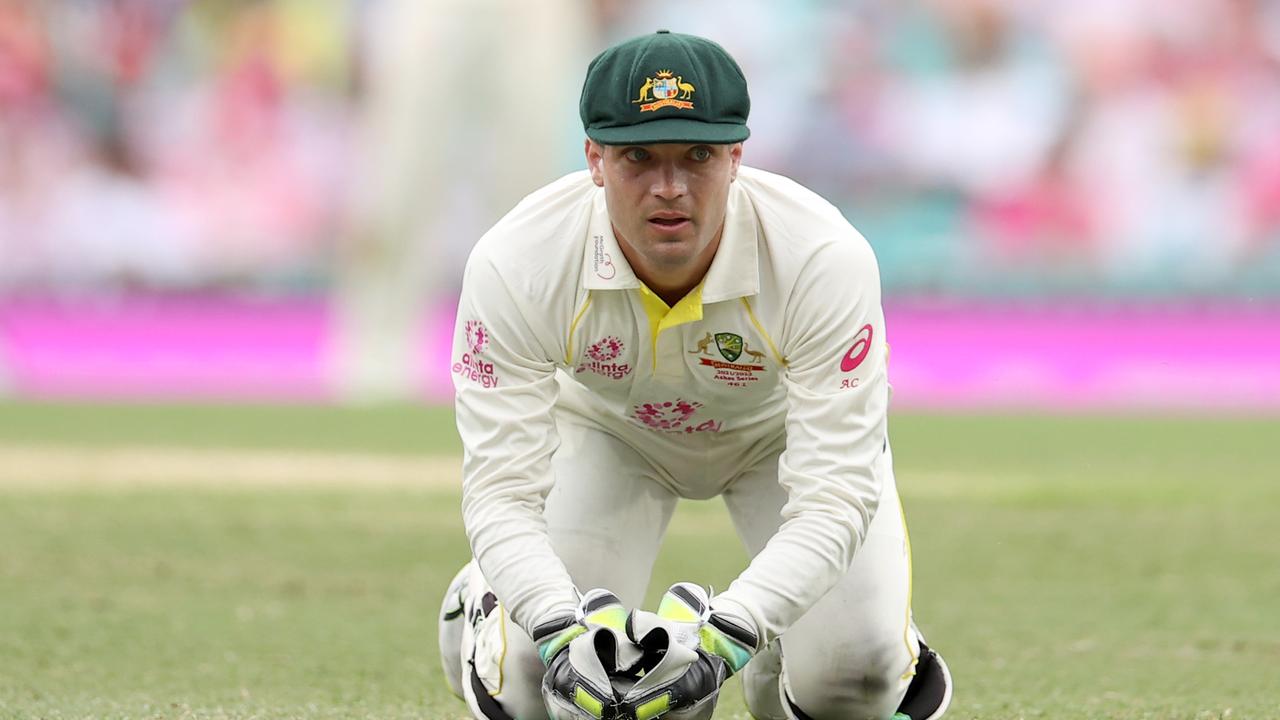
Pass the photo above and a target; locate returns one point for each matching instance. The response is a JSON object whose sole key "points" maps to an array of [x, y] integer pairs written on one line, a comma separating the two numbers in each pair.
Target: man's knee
{"points": [[517, 692], [867, 684], [488, 660], [450, 628], [760, 684]]}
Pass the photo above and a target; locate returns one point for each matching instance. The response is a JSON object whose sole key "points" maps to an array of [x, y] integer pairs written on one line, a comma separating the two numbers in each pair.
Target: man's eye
{"points": [[637, 155], [701, 154]]}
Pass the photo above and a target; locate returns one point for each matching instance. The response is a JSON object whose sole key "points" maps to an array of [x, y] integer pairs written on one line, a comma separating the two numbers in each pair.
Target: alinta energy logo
{"points": [[601, 356], [472, 366]]}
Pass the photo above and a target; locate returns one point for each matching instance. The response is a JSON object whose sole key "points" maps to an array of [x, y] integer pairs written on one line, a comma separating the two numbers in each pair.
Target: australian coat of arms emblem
{"points": [[665, 89]]}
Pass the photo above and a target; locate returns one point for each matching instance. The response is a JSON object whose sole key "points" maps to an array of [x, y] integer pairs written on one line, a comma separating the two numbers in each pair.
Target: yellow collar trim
{"points": [[663, 317]]}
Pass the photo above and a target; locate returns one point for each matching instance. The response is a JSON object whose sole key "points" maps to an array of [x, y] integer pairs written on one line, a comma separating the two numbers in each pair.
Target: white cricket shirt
{"points": [[785, 336]]}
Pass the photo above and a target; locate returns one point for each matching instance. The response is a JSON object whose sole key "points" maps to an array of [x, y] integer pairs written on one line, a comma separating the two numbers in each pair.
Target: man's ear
{"points": [[595, 160], [735, 157]]}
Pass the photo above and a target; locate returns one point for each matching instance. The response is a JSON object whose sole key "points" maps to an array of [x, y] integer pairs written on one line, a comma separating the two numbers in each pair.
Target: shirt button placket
{"points": [[670, 354]]}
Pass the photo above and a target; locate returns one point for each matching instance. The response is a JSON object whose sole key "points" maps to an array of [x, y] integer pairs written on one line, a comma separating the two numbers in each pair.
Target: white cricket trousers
{"points": [[851, 656]]}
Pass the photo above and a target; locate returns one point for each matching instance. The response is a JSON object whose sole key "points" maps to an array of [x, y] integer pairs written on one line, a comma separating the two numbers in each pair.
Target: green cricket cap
{"points": [[665, 88]]}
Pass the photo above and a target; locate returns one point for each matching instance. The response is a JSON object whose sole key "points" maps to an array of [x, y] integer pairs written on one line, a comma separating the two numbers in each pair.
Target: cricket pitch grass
{"points": [[277, 562]]}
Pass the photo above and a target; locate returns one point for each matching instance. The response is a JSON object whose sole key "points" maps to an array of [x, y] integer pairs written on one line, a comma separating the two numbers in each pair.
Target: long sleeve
{"points": [[837, 401], [504, 378]]}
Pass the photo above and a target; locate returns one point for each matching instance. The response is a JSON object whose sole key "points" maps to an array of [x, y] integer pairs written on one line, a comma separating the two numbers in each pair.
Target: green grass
{"points": [[1067, 567], [397, 429]]}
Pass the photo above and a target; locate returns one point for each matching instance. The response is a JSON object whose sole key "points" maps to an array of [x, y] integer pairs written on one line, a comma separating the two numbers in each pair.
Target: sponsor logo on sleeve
{"points": [[857, 352], [472, 365], [854, 356], [601, 357], [673, 416]]}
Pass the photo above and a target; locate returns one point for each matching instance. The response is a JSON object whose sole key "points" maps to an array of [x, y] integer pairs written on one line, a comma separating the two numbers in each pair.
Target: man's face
{"points": [[666, 201]]}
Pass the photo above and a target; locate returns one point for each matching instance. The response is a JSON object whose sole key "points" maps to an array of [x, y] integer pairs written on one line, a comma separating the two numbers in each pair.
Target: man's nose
{"points": [[670, 183]]}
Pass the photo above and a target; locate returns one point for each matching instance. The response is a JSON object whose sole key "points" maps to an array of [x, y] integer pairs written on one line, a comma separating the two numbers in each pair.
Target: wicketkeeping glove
{"points": [[667, 680], [722, 634], [596, 608]]}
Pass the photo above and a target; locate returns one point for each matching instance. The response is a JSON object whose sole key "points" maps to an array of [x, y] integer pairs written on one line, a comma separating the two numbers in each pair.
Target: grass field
{"points": [[240, 562]]}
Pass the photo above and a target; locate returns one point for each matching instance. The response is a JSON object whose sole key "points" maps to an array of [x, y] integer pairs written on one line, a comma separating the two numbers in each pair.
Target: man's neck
{"points": [[671, 284], [670, 292]]}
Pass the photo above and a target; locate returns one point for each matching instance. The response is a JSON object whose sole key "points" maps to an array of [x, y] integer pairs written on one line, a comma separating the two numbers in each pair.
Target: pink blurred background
{"points": [[1076, 205]]}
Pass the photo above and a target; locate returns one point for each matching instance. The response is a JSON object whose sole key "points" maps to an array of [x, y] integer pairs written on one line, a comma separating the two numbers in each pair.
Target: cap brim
{"points": [[671, 130]]}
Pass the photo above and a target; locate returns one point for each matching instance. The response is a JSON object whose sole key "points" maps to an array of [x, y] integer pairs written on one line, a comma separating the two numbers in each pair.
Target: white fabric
{"points": [[552, 319], [852, 651], [606, 526]]}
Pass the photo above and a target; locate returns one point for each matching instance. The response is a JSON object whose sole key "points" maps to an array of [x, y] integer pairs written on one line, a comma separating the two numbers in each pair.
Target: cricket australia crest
{"points": [[729, 345], [665, 89]]}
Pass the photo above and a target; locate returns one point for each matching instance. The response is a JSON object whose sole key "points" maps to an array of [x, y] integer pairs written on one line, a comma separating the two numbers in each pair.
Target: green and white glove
{"points": [[725, 635], [643, 674], [596, 608]]}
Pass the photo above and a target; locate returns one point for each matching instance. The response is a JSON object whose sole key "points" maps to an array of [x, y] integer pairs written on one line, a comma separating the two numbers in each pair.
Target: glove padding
{"points": [[596, 608], [637, 675], [697, 625]]}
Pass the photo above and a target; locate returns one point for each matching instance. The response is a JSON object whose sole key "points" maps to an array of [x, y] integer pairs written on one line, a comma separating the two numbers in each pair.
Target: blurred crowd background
{"points": [[334, 161], [1114, 147]]}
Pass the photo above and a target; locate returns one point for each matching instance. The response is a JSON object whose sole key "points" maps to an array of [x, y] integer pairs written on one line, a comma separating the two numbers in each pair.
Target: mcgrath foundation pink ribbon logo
{"points": [[601, 261]]}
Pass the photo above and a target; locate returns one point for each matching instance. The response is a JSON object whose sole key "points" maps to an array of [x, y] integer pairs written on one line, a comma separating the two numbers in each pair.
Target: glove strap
{"points": [[730, 638], [595, 608], [601, 607], [555, 635]]}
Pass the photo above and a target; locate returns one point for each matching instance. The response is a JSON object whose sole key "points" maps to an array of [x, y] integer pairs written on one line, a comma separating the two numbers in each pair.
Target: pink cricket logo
{"points": [[606, 349], [600, 357], [472, 367], [477, 336], [673, 416]]}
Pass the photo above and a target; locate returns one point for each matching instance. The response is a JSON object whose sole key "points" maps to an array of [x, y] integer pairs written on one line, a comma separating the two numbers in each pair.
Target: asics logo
{"points": [[858, 351]]}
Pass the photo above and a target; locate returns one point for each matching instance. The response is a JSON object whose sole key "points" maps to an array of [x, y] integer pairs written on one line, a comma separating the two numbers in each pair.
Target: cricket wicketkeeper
{"points": [[672, 324]]}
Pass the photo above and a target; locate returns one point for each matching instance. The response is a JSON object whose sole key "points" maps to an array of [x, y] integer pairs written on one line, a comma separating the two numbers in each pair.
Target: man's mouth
{"points": [[668, 221]]}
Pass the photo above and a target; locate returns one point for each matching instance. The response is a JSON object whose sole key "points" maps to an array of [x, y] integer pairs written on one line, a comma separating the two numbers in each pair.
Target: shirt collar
{"points": [[604, 266], [734, 272]]}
